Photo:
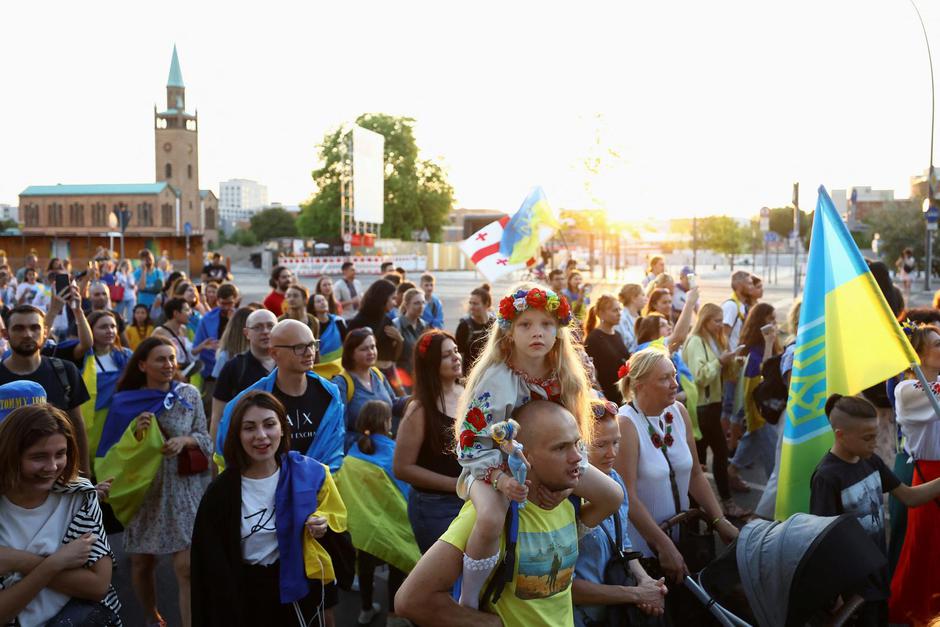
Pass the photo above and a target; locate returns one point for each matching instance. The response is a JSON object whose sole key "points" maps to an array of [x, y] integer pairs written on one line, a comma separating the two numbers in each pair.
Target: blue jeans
{"points": [[430, 515]]}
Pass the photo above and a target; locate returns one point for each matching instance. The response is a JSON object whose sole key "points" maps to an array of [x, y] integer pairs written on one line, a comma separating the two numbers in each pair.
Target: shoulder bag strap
{"points": [[672, 473], [59, 368]]}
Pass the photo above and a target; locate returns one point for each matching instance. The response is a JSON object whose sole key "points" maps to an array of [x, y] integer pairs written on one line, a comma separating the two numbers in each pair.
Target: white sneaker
{"points": [[366, 616]]}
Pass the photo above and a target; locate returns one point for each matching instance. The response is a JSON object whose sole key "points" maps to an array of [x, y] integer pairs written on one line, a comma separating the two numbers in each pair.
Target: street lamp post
{"points": [[929, 202]]}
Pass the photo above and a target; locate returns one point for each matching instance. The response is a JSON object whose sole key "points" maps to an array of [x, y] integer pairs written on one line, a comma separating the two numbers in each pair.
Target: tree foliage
{"points": [[900, 226], [781, 221], [723, 235], [417, 193], [272, 223]]}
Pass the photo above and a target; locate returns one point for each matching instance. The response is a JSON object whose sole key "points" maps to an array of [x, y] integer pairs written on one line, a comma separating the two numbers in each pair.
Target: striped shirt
{"points": [[87, 519]]}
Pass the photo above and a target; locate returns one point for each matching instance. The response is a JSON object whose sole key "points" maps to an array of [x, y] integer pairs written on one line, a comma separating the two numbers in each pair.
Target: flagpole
{"points": [[933, 111], [927, 390]]}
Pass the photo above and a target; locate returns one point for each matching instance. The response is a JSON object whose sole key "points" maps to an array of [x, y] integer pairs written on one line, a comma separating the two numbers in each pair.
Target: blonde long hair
{"points": [[709, 310], [563, 359]]}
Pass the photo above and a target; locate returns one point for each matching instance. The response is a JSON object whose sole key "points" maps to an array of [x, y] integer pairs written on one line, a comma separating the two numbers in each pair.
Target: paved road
{"points": [[453, 289]]}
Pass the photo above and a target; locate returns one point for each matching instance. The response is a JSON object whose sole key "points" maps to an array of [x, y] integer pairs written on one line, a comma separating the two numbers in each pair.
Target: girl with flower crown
{"points": [[529, 355]]}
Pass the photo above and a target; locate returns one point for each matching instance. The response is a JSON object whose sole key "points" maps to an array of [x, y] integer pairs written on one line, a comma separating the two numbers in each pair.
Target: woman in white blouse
{"points": [[657, 436]]}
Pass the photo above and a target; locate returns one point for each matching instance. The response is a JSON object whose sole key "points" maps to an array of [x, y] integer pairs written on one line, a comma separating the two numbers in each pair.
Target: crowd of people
{"points": [[521, 470]]}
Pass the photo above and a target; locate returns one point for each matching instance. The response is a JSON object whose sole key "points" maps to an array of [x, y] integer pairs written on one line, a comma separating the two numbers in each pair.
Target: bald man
{"points": [[246, 368], [314, 408], [547, 545]]}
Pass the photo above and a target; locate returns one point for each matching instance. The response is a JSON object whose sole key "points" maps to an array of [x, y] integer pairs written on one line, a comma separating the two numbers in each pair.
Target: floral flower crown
{"points": [[512, 306], [909, 328]]}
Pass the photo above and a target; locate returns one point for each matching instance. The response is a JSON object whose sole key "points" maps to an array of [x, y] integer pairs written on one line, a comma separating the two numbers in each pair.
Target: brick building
{"points": [[72, 220]]}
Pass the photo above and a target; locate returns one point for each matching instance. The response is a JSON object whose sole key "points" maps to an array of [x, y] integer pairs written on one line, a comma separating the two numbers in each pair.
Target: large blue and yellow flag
{"points": [[531, 225], [847, 340]]}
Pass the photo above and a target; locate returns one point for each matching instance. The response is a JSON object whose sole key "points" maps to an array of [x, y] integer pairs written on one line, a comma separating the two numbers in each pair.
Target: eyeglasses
{"points": [[262, 327], [301, 349]]}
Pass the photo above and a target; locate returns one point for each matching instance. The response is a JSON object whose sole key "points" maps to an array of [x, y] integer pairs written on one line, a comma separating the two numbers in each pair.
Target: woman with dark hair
{"points": [[425, 453], [253, 526], [108, 359], [474, 327], [361, 381], [166, 294], [149, 394], [758, 444], [324, 287], [377, 302], [332, 328], [55, 558], [295, 308], [187, 291]]}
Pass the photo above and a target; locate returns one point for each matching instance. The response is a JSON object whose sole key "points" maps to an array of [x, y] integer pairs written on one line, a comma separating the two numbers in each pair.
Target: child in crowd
{"points": [[529, 355], [851, 478], [377, 504]]}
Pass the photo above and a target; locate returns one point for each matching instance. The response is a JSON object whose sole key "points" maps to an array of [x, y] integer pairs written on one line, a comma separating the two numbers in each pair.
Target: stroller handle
{"points": [[690, 515]]}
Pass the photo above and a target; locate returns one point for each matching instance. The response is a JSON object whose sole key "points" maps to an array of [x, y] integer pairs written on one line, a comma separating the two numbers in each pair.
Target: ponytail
{"points": [[373, 420], [590, 321]]}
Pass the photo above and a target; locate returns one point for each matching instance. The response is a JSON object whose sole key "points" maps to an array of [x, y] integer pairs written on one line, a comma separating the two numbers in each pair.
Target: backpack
{"points": [[58, 367], [770, 395], [350, 386]]}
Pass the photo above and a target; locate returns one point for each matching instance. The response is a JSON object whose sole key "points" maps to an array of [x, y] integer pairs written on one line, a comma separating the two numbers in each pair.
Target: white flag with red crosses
{"points": [[483, 250]]}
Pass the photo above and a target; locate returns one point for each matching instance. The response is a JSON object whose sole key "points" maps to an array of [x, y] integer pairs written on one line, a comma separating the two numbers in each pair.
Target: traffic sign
{"points": [[188, 229], [771, 237], [932, 215]]}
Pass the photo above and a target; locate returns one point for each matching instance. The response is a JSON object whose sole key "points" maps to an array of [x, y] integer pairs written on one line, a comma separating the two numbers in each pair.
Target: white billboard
{"points": [[368, 200]]}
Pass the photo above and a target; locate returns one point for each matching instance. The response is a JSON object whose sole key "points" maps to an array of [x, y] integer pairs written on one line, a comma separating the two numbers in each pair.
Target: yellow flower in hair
{"points": [[552, 304]]}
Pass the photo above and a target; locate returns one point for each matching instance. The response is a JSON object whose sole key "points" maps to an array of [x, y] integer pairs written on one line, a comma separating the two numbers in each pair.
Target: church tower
{"points": [[176, 150]]}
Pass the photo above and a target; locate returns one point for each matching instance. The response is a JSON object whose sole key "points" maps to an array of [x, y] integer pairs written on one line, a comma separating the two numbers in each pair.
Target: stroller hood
{"points": [[790, 570]]}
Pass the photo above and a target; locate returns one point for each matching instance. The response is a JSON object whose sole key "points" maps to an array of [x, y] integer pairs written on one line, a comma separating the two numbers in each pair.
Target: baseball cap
{"points": [[19, 394]]}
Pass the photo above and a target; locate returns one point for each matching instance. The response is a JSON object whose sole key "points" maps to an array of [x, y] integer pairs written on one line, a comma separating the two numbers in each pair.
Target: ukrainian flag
{"points": [[847, 340], [523, 234]]}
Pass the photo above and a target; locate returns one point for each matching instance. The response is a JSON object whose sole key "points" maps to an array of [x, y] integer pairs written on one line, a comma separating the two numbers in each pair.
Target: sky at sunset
{"points": [[710, 107]]}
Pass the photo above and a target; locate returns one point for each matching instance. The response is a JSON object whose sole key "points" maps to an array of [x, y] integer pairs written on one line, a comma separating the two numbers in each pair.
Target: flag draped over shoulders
{"points": [[327, 445], [377, 503], [304, 488], [848, 340]]}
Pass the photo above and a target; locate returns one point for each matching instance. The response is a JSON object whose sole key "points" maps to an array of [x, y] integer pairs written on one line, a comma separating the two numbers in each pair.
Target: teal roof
{"points": [[106, 189], [176, 75]]}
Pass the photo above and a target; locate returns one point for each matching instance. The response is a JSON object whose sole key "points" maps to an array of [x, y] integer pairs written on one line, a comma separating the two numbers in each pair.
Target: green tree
{"points": [[9, 224], [781, 221], [900, 226], [723, 235], [417, 193], [244, 238], [272, 223]]}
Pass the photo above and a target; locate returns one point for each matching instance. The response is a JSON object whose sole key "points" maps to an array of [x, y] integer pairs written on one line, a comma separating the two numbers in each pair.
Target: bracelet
{"points": [[499, 473], [717, 520]]}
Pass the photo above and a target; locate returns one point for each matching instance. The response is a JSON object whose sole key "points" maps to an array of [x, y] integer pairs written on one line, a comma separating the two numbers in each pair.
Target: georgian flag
{"points": [[483, 250]]}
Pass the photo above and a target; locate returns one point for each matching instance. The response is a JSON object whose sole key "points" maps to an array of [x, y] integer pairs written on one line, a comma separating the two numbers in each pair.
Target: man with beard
{"points": [[540, 591], [26, 333], [281, 279]]}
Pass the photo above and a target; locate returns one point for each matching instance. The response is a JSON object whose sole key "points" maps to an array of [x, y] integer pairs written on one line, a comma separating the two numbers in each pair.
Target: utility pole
{"points": [[796, 240]]}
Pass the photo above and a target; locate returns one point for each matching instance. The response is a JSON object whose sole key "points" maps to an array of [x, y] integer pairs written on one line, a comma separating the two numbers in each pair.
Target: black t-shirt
{"points": [[608, 353], [839, 487], [304, 414], [471, 339], [214, 271], [46, 376], [237, 374]]}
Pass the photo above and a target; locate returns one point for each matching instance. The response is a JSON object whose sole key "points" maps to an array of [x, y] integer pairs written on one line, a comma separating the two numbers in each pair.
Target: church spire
{"points": [[176, 75]]}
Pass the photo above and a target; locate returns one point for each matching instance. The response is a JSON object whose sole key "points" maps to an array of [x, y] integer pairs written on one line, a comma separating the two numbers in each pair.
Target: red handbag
{"points": [[192, 461]]}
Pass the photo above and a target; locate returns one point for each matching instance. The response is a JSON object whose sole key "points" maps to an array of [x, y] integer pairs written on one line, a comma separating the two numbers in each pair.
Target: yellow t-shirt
{"points": [[546, 552]]}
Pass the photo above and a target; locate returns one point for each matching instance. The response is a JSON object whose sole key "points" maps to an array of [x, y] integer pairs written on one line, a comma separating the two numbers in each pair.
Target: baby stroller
{"points": [[788, 574]]}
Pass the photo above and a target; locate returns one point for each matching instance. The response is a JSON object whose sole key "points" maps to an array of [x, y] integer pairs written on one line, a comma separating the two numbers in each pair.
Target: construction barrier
{"points": [[318, 266]]}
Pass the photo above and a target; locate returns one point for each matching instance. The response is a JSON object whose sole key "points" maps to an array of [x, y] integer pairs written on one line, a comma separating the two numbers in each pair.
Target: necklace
{"points": [[662, 442]]}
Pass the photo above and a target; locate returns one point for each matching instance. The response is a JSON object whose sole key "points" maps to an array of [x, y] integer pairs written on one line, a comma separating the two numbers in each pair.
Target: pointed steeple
{"points": [[176, 75]]}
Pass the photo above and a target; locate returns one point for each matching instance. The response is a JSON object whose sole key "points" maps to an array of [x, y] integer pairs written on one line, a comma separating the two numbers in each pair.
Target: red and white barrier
{"points": [[318, 266]]}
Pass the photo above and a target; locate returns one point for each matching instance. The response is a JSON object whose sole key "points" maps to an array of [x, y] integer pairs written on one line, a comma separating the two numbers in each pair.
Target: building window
{"points": [[99, 214], [189, 170], [55, 214], [168, 170], [210, 217], [31, 215], [145, 214], [166, 214], [76, 214]]}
